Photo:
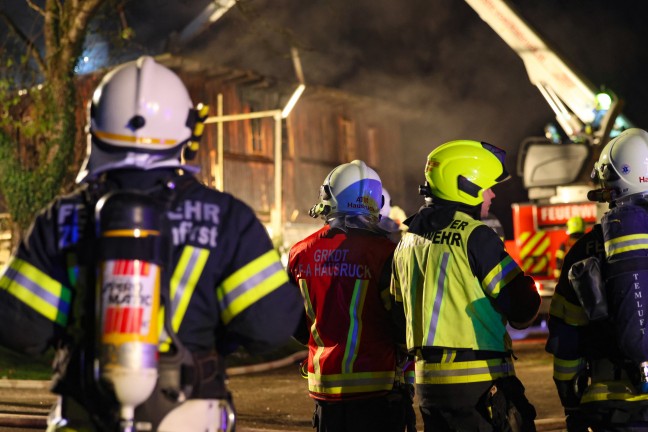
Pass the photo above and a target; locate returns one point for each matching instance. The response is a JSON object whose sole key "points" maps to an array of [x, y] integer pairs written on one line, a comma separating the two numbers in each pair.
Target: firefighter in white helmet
{"points": [[457, 287], [597, 325], [221, 282], [343, 272]]}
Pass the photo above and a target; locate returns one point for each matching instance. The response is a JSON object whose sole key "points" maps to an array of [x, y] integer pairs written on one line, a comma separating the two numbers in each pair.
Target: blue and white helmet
{"points": [[350, 189]]}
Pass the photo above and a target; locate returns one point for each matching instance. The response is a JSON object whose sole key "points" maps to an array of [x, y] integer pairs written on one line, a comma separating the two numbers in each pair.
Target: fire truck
{"points": [[555, 167], [538, 231]]}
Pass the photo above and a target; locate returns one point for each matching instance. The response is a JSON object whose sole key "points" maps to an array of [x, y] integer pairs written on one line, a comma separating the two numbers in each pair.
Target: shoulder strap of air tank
{"points": [[73, 364]]}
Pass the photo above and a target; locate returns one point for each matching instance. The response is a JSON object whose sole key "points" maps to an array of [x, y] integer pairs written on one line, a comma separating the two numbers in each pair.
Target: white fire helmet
{"points": [[622, 167], [140, 116], [350, 189]]}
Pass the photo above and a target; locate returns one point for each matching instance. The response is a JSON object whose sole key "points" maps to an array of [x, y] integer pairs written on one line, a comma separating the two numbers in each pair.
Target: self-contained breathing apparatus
{"points": [[114, 367], [130, 260], [126, 383]]}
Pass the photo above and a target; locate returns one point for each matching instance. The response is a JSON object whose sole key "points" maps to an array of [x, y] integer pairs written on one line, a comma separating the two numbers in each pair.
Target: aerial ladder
{"points": [[581, 111], [589, 118], [555, 167]]}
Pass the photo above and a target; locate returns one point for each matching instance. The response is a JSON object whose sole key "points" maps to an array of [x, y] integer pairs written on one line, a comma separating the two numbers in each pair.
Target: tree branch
{"points": [[49, 27], [30, 46], [81, 16], [35, 7], [78, 16]]}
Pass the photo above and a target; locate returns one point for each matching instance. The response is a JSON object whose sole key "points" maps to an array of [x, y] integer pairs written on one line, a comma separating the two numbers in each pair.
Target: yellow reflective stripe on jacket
{"points": [[356, 382], [448, 356], [626, 243], [441, 285], [355, 324], [251, 282], [500, 275], [463, 372], [184, 280], [568, 312], [310, 312], [37, 290], [565, 370], [612, 391], [183, 283]]}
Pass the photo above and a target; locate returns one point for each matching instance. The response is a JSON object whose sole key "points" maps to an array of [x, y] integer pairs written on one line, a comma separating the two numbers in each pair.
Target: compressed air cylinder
{"points": [[129, 226]]}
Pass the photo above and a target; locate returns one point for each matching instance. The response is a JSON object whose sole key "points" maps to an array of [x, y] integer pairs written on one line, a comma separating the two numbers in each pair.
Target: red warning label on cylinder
{"points": [[130, 299]]}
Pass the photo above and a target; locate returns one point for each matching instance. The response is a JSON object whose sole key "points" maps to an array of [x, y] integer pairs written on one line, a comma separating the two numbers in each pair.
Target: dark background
{"points": [[436, 57]]}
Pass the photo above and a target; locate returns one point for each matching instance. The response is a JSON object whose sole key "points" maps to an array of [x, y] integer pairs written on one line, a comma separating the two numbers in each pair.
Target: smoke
{"points": [[433, 56], [439, 58]]}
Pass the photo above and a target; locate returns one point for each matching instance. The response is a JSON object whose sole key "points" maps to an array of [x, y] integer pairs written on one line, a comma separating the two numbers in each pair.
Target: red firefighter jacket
{"points": [[352, 353]]}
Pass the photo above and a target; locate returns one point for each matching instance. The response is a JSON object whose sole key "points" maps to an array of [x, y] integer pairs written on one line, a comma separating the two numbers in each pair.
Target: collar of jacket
{"points": [[437, 215], [138, 179], [344, 222]]}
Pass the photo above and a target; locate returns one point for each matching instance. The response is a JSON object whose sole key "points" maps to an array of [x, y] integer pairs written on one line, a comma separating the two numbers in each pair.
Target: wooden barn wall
{"points": [[314, 141], [319, 146], [385, 155], [253, 183]]}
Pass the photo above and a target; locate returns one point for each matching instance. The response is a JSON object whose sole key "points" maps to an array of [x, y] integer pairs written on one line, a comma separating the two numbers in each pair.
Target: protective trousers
{"points": [[488, 406]]}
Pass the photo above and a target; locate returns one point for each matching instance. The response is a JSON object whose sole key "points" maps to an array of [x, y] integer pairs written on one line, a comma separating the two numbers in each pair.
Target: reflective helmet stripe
{"points": [[130, 140]]}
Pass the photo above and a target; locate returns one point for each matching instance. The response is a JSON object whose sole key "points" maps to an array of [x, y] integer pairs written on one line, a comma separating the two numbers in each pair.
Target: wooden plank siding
{"points": [[326, 128]]}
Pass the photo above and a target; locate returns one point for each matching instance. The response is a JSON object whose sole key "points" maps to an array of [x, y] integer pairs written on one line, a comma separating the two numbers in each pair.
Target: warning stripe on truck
{"points": [[534, 252]]}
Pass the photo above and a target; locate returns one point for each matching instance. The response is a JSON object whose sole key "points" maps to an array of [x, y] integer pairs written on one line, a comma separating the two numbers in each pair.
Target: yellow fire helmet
{"points": [[575, 225], [461, 170]]}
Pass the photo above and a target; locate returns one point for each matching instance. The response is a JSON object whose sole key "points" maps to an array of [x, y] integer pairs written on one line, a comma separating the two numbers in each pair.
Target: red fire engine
{"points": [[538, 231]]}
